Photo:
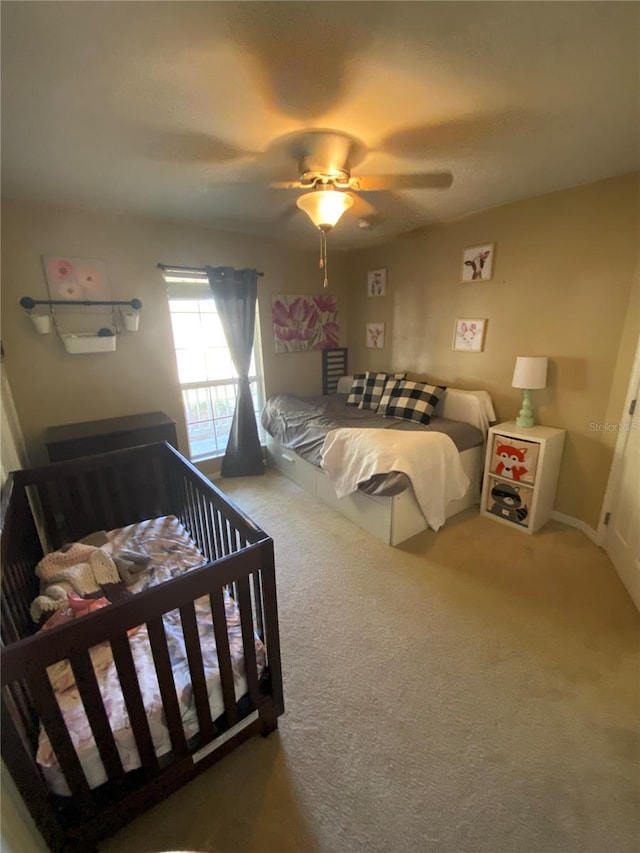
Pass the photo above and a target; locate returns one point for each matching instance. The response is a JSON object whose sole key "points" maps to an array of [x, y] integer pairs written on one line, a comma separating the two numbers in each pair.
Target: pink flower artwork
{"points": [[76, 278], [305, 323], [69, 290], [89, 278], [60, 269]]}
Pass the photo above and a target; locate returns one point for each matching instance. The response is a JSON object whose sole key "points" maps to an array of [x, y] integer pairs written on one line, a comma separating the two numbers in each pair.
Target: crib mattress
{"points": [[171, 552]]}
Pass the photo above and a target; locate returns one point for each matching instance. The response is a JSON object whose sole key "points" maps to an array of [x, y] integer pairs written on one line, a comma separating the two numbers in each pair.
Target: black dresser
{"points": [[69, 441]]}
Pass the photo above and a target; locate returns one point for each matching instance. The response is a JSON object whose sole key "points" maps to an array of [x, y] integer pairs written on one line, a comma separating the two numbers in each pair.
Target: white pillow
{"points": [[344, 384], [472, 407]]}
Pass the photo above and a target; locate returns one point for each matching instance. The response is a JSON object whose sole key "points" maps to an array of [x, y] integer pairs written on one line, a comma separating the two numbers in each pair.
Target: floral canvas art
{"points": [[305, 322], [76, 278]]}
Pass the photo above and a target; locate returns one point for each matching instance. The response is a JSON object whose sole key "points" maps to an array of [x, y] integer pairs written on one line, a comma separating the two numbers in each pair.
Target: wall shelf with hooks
{"points": [[125, 315]]}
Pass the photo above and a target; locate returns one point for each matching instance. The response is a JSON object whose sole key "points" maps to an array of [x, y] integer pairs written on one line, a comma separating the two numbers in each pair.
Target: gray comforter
{"points": [[301, 424]]}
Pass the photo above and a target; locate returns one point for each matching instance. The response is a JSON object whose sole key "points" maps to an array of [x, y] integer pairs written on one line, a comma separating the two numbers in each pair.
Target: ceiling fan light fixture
{"points": [[325, 206]]}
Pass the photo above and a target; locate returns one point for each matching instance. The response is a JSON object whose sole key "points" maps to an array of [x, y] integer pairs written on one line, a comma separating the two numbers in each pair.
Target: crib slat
{"points": [[193, 511], [215, 520], [12, 620], [196, 528], [162, 491], [94, 708], [77, 502], [248, 638], [117, 512], [51, 717], [216, 599], [202, 515], [206, 521], [224, 526], [68, 507], [257, 596], [198, 681], [124, 501], [135, 706], [48, 502], [89, 502], [158, 641], [272, 631]]}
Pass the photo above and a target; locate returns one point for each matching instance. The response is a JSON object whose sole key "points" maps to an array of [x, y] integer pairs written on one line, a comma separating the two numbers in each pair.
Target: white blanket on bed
{"points": [[430, 460]]}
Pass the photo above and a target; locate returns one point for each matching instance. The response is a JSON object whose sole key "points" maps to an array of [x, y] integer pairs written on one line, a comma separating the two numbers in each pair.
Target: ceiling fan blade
{"points": [[457, 135], [427, 181], [393, 208], [361, 207], [288, 185], [189, 147]]}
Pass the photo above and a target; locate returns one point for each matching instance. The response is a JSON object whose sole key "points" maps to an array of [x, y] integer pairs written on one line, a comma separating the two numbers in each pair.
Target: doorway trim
{"points": [[615, 471]]}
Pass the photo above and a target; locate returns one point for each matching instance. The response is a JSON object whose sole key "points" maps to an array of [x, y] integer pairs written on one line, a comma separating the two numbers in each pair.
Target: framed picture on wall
{"points": [[468, 335], [375, 335], [377, 282], [304, 322], [76, 278], [477, 263]]}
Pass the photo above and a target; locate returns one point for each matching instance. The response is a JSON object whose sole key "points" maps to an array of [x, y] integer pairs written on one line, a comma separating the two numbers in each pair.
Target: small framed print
{"points": [[377, 282], [477, 263], [468, 335], [375, 335]]}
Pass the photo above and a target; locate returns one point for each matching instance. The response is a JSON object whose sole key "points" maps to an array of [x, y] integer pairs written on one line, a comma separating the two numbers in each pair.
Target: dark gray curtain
{"points": [[235, 293]]}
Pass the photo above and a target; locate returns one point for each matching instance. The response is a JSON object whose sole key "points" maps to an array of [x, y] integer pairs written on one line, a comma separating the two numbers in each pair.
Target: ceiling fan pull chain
{"points": [[325, 283], [323, 257]]}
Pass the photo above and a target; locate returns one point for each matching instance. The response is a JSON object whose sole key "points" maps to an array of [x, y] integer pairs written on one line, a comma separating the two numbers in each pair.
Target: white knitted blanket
{"points": [[430, 460]]}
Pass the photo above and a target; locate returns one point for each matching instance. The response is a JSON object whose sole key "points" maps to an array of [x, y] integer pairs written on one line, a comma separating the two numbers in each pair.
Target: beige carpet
{"points": [[473, 692]]}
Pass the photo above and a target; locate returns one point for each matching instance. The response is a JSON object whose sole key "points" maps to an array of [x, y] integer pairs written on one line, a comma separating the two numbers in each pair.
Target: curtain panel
{"points": [[235, 293]]}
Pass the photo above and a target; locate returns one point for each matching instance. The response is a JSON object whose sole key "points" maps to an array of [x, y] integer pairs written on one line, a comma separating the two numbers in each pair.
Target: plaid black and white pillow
{"points": [[375, 384], [413, 401], [357, 389]]}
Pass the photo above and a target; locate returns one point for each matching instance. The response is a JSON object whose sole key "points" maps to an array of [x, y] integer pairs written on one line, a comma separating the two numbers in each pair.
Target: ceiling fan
{"points": [[325, 161], [326, 158]]}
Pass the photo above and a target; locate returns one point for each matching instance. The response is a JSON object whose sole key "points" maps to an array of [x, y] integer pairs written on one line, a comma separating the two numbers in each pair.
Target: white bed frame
{"points": [[391, 519], [395, 519]]}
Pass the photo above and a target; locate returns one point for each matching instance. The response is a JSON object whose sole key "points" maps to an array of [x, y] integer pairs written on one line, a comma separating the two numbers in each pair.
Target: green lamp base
{"points": [[525, 415]]}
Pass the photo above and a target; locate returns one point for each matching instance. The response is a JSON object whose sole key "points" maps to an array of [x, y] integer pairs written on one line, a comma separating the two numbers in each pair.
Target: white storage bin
{"points": [[87, 342]]}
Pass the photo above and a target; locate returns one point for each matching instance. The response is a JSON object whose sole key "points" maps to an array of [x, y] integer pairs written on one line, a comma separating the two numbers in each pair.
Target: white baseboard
{"points": [[570, 521]]}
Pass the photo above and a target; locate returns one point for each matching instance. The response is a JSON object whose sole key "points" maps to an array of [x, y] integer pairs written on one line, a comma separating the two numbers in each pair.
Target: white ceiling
{"points": [[185, 110]]}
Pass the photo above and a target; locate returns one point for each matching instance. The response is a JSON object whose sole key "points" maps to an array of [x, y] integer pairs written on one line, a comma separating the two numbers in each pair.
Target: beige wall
{"points": [[561, 287], [51, 387]]}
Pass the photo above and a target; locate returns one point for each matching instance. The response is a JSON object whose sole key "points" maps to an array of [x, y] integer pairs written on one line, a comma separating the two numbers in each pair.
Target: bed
{"points": [[108, 713], [393, 506]]}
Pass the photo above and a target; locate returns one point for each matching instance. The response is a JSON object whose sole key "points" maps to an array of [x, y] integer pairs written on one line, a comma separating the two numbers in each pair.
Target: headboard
{"points": [[334, 365]]}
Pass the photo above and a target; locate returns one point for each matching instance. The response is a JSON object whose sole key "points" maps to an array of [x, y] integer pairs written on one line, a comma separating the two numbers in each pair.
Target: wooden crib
{"points": [[65, 502]]}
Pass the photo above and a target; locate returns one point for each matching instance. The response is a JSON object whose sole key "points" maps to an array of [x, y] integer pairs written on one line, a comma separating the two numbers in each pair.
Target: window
{"points": [[208, 379]]}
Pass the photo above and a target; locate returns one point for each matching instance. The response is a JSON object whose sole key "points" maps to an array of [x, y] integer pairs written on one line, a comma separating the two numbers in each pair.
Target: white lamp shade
{"points": [[530, 372], [325, 207]]}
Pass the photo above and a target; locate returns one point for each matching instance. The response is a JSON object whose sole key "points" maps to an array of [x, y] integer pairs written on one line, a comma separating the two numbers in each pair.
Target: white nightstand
{"points": [[521, 474]]}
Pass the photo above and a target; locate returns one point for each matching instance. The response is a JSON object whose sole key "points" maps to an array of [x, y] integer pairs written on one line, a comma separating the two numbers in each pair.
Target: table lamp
{"points": [[530, 373]]}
